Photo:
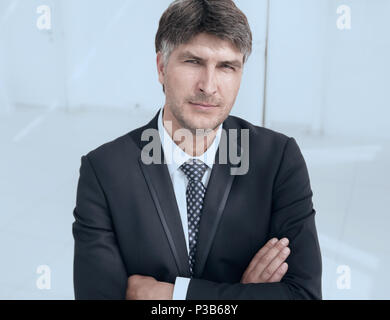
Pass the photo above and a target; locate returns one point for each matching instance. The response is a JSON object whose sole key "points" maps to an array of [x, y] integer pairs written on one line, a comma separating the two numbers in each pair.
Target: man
{"points": [[199, 224]]}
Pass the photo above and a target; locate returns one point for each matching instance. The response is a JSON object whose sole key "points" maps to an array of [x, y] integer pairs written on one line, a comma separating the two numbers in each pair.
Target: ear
{"points": [[160, 67]]}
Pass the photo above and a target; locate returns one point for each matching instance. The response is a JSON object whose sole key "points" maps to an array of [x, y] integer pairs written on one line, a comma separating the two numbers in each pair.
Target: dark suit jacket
{"points": [[127, 221]]}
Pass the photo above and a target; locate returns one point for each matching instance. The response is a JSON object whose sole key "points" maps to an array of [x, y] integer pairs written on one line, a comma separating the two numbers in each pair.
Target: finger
{"points": [[279, 273], [269, 245], [267, 258], [275, 264]]}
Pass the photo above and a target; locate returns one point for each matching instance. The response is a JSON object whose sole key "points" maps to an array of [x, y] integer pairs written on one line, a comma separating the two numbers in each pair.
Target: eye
{"points": [[228, 67], [193, 61]]}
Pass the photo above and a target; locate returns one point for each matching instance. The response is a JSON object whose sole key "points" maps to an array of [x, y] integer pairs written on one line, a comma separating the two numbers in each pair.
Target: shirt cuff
{"points": [[180, 288]]}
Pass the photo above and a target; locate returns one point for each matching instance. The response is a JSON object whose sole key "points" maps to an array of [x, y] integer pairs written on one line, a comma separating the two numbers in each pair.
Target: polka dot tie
{"points": [[194, 169]]}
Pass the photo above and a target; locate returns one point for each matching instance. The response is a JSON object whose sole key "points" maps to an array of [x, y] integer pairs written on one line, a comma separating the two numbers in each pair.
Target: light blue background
{"points": [[92, 78]]}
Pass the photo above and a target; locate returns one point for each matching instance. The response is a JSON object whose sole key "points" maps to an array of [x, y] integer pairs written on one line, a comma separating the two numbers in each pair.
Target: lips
{"points": [[204, 105]]}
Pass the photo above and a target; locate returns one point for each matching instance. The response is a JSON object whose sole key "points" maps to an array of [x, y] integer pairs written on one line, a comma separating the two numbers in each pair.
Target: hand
{"points": [[148, 288], [268, 264]]}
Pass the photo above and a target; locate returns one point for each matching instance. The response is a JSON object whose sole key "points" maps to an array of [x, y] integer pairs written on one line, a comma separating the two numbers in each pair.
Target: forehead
{"points": [[210, 47]]}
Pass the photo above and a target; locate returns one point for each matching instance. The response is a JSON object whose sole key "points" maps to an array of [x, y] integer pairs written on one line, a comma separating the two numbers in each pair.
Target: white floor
{"points": [[40, 159]]}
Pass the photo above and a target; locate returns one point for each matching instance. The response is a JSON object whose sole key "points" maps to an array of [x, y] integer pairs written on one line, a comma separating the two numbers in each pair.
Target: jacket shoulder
{"points": [[118, 147], [256, 132]]}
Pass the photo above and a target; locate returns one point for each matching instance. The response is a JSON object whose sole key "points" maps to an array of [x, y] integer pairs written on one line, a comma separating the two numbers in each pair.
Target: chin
{"points": [[196, 120], [202, 125]]}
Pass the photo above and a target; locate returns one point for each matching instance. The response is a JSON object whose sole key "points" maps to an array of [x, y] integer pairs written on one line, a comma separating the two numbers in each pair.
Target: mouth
{"points": [[203, 105]]}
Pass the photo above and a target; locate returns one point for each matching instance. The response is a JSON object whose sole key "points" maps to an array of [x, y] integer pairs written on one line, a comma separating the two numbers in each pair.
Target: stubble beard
{"points": [[187, 124]]}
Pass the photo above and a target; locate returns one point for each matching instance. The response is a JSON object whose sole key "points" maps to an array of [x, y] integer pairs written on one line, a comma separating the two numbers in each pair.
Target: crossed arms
{"points": [[266, 266]]}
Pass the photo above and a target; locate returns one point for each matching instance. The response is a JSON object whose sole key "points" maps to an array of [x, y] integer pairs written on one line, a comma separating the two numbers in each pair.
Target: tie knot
{"points": [[194, 169]]}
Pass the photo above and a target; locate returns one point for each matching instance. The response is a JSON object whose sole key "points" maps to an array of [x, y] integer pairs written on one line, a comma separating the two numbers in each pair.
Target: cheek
{"points": [[229, 88], [183, 79]]}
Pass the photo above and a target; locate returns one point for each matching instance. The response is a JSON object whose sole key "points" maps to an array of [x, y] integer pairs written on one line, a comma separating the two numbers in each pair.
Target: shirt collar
{"points": [[175, 156]]}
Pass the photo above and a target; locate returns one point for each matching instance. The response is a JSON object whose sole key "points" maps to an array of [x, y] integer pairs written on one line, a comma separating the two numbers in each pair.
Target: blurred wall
{"points": [[325, 80]]}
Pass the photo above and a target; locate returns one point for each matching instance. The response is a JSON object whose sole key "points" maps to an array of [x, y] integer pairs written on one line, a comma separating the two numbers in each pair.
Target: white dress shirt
{"points": [[175, 157]]}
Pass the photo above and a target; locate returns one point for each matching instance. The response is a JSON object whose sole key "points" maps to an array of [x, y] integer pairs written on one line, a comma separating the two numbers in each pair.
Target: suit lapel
{"points": [[217, 193], [214, 203], [161, 189]]}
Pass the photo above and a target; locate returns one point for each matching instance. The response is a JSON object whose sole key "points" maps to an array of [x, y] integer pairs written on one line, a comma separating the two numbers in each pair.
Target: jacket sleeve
{"points": [[292, 217], [98, 269]]}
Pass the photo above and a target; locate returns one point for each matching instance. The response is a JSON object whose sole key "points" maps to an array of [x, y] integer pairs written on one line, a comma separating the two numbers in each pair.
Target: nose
{"points": [[208, 82]]}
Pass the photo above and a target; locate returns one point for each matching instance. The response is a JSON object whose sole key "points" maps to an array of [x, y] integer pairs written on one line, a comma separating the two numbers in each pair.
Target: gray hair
{"points": [[184, 19]]}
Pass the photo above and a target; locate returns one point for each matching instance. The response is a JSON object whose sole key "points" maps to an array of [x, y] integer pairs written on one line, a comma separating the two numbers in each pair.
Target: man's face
{"points": [[206, 71]]}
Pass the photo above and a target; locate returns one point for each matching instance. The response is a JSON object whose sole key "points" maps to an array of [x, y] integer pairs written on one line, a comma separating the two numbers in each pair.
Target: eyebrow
{"points": [[190, 55]]}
